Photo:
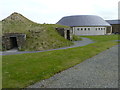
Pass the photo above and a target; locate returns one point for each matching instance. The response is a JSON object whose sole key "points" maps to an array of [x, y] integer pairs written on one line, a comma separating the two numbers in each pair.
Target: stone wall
{"points": [[115, 28], [7, 44], [65, 32]]}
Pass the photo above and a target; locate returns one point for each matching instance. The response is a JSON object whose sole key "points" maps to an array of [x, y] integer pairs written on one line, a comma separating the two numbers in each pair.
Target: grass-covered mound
{"points": [[39, 36]]}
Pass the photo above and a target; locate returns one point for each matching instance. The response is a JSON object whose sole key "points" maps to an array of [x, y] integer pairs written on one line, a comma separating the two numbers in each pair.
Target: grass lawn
{"points": [[22, 70]]}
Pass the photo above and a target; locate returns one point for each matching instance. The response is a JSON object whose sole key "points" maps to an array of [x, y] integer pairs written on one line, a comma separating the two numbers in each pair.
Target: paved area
{"points": [[100, 71], [83, 42]]}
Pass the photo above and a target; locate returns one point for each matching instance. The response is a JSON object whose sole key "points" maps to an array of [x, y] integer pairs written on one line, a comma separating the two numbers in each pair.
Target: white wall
{"points": [[91, 31]]}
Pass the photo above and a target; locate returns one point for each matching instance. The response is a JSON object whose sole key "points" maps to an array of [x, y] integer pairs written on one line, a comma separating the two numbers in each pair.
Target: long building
{"points": [[86, 25]]}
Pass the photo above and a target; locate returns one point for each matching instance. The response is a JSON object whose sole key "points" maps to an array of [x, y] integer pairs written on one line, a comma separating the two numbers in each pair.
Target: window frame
{"points": [[89, 29]]}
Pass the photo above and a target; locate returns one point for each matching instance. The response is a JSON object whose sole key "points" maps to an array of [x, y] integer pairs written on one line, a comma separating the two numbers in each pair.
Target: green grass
{"points": [[23, 70], [103, 38], [76, 38], [0, 72]]}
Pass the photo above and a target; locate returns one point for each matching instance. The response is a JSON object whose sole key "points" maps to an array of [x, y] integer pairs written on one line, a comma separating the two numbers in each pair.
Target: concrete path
{"points": [[100, 71], [83, 42]]}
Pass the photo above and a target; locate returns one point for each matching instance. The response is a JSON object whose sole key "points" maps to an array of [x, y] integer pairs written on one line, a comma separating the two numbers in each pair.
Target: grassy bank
{"points": [[38, 36], [24, 69]]}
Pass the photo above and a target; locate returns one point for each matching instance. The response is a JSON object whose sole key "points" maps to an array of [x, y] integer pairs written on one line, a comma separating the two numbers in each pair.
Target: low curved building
{"points": [[86, 25]]}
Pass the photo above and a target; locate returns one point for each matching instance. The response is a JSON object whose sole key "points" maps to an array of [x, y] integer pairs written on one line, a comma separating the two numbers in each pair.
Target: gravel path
{"points": [[83, 42], [100, 71]]}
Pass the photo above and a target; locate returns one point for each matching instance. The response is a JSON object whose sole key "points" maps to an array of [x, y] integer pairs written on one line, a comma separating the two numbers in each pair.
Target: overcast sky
{"points": [[119, 10], [50, 11]]}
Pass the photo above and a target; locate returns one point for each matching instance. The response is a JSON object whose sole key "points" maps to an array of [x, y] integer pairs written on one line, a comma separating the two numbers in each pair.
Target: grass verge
{"points": [[22, 70]]}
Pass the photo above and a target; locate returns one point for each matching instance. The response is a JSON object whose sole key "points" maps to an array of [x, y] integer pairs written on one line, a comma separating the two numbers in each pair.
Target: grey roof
{"points": [[83, 20], [113, 21]]}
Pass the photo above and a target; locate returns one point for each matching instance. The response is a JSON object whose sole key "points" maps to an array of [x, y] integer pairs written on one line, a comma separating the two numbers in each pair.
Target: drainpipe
{"points": [[111, 29]]}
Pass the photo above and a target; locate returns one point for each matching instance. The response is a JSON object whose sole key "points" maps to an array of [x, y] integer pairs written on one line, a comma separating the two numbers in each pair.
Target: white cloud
{"points": [[50, 11]]}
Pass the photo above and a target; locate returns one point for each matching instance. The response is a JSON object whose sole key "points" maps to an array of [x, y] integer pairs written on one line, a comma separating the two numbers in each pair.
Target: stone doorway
{"points": [[13, 42], [68, 34], [65, 32]]}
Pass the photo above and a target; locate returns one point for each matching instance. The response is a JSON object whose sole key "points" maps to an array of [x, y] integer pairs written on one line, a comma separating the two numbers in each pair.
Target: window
{"points": [[96, 28], [84, 28], [99, 28], [78, 29], [88, 28], [81, 28]]}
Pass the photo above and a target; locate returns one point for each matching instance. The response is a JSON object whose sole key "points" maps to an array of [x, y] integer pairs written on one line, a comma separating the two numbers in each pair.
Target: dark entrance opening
{"points": [[68, 34], [13, 42]]}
